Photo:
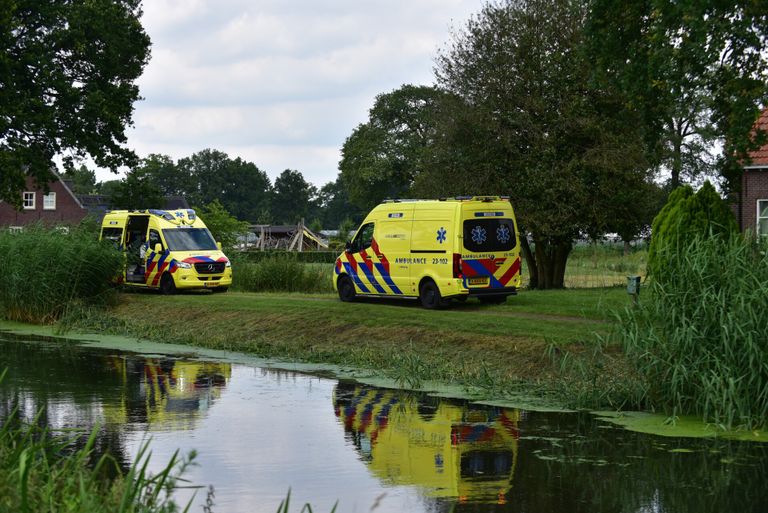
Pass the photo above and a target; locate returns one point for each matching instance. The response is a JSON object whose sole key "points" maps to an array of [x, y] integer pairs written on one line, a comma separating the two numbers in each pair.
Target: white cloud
{"points": [[279, 83]]}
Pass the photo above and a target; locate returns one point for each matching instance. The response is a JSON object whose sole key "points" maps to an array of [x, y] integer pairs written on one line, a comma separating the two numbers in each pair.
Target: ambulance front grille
{"points": [[209, 267]]}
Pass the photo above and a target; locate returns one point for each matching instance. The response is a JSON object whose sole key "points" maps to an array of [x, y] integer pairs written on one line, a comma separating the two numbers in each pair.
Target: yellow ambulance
{"points": [[434, 250], [167, 250]]}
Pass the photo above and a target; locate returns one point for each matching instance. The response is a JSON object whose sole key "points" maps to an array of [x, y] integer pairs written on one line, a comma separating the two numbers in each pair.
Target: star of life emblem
{"points": [[502, 234], [478, 234]]}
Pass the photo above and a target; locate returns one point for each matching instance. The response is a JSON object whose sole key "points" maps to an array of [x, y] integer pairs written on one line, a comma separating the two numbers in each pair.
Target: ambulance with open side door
{"points": [[434, 250], [167, 250]]}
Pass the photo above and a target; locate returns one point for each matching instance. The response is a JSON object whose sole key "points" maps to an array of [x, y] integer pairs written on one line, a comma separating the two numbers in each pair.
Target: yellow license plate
{"points": [[478, 281]]}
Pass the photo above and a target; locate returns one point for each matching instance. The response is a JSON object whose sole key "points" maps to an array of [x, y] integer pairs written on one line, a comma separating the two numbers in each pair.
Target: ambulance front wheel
{"points": [[167, 285], [346, 289], [429, 295]]}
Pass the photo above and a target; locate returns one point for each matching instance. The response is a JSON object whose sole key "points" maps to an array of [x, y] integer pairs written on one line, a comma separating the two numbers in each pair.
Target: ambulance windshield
{"points": [[189, 239]]}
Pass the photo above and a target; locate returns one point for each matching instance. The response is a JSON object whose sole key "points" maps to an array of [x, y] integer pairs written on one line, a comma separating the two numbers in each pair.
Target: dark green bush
{"points": [[701, 337], [46, 271], [282, 272], [685, 216]]}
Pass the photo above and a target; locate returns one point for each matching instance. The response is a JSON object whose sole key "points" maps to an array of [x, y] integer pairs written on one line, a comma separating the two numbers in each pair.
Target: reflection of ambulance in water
{"points": [[434, 250], [449, 450], [167, 250]]}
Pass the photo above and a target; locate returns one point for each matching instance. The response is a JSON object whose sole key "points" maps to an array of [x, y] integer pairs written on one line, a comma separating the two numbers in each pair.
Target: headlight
{"points": [[185, 265], [229, 264]]}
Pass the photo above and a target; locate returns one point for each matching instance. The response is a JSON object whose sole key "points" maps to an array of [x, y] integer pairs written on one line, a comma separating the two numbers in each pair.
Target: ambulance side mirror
{"points": [[158, 248], [218, 245]]}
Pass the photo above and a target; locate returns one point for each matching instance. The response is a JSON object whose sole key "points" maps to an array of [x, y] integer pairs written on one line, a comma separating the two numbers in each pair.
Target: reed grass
{"points": [[40, 471], [46, 271], [701, 338], [282, 272]]}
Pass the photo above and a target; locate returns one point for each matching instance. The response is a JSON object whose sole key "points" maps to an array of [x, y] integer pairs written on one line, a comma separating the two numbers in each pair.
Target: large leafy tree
{"points": [[83, 180], [383, 156], [695, 71], [241, 187], [292, 196], [68, 71], [531, 124]]}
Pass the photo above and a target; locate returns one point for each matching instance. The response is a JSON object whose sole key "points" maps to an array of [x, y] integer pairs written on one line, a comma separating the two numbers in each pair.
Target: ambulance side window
{"points": [[363, 239], [154, 238]]}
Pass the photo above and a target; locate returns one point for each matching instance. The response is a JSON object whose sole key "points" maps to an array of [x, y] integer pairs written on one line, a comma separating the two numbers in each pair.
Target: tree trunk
{"points": [[530, 261], [627, 247], [677, 162], [551, 258]]}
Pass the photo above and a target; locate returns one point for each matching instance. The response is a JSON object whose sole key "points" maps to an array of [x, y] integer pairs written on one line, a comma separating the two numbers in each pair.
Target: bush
{"points": [[282, 272], [685, 216], [46, 271], [701, 339]]}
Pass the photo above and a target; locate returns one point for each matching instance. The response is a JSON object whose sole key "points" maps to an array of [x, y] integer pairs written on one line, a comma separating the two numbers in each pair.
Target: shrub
{"points": [[685, 216], [701, 339], [281, 272], [45, 271]]}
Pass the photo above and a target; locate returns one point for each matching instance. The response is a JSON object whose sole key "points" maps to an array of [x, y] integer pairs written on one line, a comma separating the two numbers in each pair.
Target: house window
{"points": [[29, 200], [762, 217], [49, 201]]}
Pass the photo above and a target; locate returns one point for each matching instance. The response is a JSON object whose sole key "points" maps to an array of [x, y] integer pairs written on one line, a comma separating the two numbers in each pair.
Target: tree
{"points": [[68, 85], [694, 71], [291, 197], [224, 227], [382, 157], [137, 191], [685, 216], [167, 176], [545, 135], [83, 179], [334, 204], [240, 186]]}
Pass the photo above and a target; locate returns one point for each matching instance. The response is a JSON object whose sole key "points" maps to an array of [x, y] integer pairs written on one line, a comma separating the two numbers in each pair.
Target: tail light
{"points": [[458, 272]]}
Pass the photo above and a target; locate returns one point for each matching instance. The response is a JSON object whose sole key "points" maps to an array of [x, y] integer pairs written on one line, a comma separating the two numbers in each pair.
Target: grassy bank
{"points": [[545, 340]]}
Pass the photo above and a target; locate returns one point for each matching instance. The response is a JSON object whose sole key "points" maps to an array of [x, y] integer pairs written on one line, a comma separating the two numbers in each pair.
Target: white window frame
{"points": [[758, 217], [27, 196], [49, 201]]}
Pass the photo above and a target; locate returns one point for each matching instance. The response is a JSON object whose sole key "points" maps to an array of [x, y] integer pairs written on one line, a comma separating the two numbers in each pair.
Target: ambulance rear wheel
{"points": [[167, 286], [429, 295], [346, 289]]}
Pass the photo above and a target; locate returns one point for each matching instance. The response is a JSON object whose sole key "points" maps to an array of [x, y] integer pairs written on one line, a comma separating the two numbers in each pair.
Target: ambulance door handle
{"points": [[367, 257]]}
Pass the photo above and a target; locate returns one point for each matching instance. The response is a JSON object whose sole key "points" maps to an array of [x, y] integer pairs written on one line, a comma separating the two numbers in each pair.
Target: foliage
{"points": [[382, 157], [291, 197], [83, 179], [281, 272], [700, 339], [334, 204], [40, 471], [224, 227], [685, 216], [137, 191], [69, 72], [169, 179], [240, 186], [693, 72], [47, 271], [539, 129]]}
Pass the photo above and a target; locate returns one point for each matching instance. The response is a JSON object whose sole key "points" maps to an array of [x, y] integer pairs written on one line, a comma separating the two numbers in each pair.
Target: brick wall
{"points": [[67, 210], [754, 186]]}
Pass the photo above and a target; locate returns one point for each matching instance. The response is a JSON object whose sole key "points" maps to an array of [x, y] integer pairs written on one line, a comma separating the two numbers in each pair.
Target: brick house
{"points": [[59, 207], [752, 205]]}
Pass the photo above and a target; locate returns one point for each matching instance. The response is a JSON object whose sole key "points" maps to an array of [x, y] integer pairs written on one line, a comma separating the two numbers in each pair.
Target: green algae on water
{"points": [[685, 427]]}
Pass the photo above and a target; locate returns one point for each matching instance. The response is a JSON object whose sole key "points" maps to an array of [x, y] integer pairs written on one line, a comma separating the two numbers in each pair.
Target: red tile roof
{"points": [[760, 156]]}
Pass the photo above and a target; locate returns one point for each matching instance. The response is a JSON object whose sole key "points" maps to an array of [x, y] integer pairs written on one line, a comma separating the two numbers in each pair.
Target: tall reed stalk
{"points": [[40, 471], [701, 338], [282, 272], [46, 271]]}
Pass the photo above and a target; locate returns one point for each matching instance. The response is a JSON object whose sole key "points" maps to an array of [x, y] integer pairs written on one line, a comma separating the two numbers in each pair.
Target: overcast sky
{"points": [[280, 83]]}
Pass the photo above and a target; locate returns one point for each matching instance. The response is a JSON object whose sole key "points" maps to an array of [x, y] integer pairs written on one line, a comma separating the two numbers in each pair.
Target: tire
{"points": [[219, 290], [493, 300], [430, 297], [346, 288], [167, 285]]}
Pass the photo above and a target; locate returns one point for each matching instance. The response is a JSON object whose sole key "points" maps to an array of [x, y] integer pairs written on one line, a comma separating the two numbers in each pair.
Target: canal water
{"points": [[259, 432]]}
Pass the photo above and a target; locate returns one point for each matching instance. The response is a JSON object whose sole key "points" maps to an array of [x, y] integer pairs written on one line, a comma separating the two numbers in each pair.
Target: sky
{"points": [[280, 83]]}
